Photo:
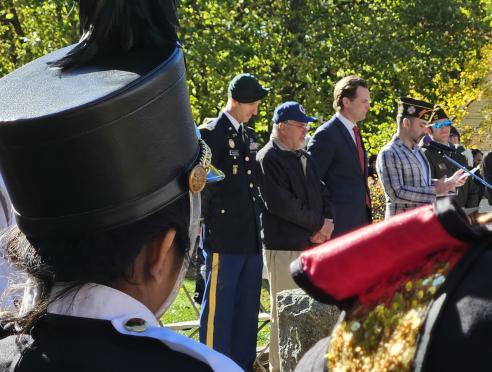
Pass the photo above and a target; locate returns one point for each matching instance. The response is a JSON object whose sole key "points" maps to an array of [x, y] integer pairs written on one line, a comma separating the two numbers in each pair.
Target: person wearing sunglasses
{"points": [[440, 130], [402, 167]]}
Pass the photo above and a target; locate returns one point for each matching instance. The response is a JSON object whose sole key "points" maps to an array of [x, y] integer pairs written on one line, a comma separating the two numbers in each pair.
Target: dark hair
{"points": [[400, 117], [475, 152], [347, 87], [100, 258], [454, 132]]}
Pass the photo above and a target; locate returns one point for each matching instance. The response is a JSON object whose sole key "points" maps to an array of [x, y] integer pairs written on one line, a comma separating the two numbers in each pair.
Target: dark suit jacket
{"points": [[335, 155], [230, 207]]}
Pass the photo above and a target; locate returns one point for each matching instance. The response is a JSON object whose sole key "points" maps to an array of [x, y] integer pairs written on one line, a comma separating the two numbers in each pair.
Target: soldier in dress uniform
{"points": [[229, 317], [416, 290], [102, 161]]}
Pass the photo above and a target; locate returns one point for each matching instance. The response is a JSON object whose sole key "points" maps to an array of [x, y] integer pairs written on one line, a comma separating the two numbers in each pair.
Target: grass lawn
{"points": [[182, 310]]}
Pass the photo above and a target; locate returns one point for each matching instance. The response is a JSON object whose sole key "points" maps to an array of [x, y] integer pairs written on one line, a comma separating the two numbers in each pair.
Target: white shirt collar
{"points": [[348, 124], [97, 301], [233, 120]]}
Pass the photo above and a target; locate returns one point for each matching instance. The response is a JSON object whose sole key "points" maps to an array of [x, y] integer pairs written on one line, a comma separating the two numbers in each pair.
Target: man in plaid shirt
{"points": [[402, 167]]}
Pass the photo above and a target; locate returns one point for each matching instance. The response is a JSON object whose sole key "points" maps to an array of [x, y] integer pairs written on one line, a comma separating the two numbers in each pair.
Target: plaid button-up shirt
{"points": [[406, 185]]}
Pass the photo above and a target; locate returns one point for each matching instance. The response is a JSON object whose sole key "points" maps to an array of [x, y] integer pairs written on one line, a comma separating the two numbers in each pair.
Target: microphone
{"points": [[436, 145]]}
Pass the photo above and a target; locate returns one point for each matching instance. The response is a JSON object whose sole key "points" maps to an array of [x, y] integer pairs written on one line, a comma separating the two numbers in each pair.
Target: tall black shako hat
{"points": [[415, 108], [245, 88], [100, 134]]}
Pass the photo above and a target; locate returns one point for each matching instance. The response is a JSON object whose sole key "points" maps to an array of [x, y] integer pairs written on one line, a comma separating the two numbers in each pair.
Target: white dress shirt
{"points": [[234, 122], [348, 124]]}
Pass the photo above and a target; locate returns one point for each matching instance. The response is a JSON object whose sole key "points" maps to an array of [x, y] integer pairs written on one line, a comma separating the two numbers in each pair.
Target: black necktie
{"points": [[241, 133]]}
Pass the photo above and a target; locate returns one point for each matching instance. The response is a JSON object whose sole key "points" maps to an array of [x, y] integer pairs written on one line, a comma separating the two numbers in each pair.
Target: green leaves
{"points": [[432, 49], [31, 28]]}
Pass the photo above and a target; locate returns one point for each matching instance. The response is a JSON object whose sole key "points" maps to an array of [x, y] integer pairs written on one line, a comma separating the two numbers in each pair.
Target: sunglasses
{"points": [[442, 123]]}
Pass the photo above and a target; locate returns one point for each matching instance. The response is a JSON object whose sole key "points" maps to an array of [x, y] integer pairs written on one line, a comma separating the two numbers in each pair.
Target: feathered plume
{"points": [[109, 26]]}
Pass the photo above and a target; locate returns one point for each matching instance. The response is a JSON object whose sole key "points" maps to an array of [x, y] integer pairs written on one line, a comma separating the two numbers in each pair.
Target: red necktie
{"points": [[361, 158], [359, 148]]}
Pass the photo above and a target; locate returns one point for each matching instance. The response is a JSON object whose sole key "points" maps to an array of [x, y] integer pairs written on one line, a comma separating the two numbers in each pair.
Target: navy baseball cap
{"points": [[291, 110]]}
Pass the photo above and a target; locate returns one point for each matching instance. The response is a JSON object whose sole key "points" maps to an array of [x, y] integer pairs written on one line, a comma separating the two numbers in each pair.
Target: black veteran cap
{"points": [[101, 144], [245, 88], [438, 115], [415, 108]]}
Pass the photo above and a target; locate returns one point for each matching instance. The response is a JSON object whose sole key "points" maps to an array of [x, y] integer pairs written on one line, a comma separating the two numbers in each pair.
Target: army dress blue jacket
{"points": [[230, 207]]}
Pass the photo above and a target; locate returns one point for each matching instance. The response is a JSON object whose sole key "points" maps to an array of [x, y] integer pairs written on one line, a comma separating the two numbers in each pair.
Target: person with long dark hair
{"points": [[102, 161]]}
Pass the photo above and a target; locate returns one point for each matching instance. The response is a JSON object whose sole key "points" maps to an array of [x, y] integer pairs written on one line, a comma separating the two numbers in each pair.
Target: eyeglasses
{"points": [[303, 125], [442, 123]]}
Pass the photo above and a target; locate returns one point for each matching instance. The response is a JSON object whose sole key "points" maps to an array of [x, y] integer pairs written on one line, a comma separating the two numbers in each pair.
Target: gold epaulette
{"points": [[380, 332]]}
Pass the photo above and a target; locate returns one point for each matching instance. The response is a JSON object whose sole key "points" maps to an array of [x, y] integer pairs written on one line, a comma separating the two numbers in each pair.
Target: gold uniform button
{"points": [[249, 171], [222, 211], [246, 158]]}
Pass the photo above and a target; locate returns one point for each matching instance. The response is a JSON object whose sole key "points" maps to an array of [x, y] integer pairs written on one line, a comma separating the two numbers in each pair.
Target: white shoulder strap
{"points": [[209, 124], [179, 343]]}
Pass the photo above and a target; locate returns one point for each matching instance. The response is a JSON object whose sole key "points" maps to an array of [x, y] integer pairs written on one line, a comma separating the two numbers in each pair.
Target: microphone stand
{"points": [[479, 179]]}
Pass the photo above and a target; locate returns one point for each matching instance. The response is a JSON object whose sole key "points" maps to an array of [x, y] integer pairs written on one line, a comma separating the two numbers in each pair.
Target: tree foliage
{"points": [[32, 28], [432, 49], [302, 47]]}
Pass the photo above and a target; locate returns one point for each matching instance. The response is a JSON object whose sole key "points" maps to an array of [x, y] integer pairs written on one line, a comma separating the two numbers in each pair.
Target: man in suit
{"points": [[339, 153], [229, 317]]}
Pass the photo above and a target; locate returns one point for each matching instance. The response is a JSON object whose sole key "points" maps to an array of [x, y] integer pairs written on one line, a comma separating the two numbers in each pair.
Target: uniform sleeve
{"points": [[322, 152], [280, 201], [216, 142], [390, 171]]}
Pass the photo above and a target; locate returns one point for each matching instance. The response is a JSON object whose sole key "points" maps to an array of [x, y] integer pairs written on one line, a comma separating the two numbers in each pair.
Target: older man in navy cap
{"points": [[296, 212], [229, 317]]}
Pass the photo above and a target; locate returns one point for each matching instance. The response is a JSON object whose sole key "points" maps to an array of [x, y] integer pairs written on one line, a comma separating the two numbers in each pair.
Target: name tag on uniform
{"points": [[234, 152]]}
